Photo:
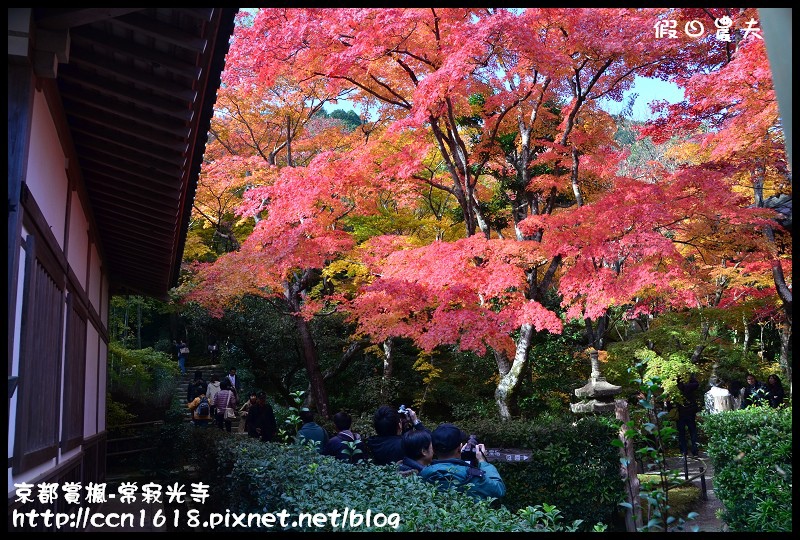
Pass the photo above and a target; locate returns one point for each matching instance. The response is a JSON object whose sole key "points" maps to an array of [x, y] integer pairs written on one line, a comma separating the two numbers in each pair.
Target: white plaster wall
{"points": [[47, 180], [93, 288], [47, 176], [78, 247], [104, 301]]}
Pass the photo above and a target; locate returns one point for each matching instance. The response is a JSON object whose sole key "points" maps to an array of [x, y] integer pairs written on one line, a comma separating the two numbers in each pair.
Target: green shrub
{"points": [[571, 482], [751, 451], [572, 465], [254, 477], [144, 376], [117, 413]]}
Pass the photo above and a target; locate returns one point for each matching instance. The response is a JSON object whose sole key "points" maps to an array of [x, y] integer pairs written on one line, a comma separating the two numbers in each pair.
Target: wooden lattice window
{"points": [[37, 419], [74, 375]]}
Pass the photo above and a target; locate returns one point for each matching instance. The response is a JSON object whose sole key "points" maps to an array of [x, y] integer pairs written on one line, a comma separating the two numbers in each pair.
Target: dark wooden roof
{"points": [[138, 87]]}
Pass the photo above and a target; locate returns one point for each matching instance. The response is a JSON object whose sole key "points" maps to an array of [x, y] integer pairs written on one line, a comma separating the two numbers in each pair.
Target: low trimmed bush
{"points": [[251, 477], [751, 450]]}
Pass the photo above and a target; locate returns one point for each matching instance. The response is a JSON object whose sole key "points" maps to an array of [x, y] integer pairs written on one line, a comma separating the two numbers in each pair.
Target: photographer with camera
{"points": [[450, 468], [407, 423], [387, 445]]}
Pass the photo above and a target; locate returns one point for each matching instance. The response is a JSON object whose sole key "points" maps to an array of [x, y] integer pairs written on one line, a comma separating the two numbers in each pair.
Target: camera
{"points": [[469, 451], [403, 411]]}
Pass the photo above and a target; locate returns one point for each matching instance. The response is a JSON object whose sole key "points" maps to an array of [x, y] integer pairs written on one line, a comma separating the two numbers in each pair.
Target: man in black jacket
{"points": [[418, 446], [755, 393], [196, 387], [345, 445], [261, 422], [387, 445], [687, 413]]}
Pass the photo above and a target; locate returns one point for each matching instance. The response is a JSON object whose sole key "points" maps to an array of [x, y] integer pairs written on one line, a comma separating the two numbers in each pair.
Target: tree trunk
{"points": [[698, 351], [289, 161], [576, 187], [595, 336], [388, 347], [784, 292], [511, 374], [347, 358], [310, 357], [510, 377], [388, 363], [308, 348], [746, 339], [785, 332], [139, 324], [125, 323]]}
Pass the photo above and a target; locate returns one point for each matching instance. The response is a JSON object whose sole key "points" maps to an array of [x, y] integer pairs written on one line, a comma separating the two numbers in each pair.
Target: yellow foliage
{"points": [[346, 275], [375, 349], [775, 183], [687, 153], [424, 365], [194, 249]]}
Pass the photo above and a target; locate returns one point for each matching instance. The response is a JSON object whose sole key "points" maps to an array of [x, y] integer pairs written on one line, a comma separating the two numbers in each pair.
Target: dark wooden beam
{"points": [[158, 59], [124, 93], [163, 32], [62, 18], [123, 174], [162, 130], [118, 71]]}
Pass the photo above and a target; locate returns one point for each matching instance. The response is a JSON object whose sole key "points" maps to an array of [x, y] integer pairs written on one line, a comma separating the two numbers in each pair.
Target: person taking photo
{"points": [[449, 470]]}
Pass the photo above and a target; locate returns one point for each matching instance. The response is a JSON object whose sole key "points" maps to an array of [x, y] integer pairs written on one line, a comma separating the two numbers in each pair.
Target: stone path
{"points": [[707, 520]]}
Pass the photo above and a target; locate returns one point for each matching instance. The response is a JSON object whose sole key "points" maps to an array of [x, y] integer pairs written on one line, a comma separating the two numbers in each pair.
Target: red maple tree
{"points": [[468, 102]]}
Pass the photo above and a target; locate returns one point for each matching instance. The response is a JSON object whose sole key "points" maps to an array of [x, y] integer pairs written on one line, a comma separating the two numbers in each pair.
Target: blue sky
{"points": [[648, 89]]}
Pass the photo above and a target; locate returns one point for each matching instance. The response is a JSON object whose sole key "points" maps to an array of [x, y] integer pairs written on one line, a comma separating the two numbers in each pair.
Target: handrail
{"points": [[125, 452], [136, 424], [122, 439], [701, 474], [137, 427]]}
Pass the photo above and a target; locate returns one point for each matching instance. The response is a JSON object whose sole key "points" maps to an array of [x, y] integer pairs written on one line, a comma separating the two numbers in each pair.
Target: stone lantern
{"points": [[599, 392]]}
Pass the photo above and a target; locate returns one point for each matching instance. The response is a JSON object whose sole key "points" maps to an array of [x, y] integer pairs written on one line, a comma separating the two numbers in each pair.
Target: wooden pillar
{"points": [[20, 115]]}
